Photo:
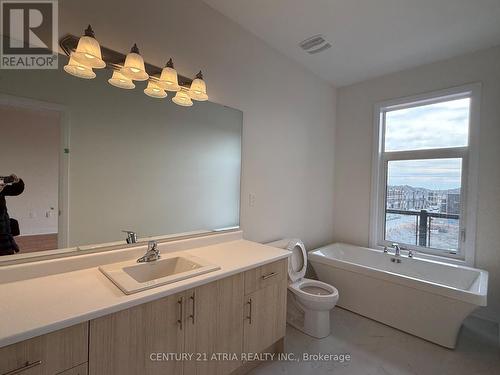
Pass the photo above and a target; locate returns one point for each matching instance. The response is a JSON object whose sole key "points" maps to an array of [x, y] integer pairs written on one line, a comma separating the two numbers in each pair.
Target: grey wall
{"points": [[288, 113], [353, 151]]}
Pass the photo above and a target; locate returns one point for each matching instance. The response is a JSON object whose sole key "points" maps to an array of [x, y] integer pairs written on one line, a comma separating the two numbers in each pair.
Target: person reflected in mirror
{"points": [[9, 186]]}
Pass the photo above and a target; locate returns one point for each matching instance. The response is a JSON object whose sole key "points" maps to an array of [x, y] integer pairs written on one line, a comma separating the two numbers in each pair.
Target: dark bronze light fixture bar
{"points": [[115, 60]]}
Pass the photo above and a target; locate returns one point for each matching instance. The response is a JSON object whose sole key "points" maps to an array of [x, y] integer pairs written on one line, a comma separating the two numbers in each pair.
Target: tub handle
{"points": [[269, 275]]}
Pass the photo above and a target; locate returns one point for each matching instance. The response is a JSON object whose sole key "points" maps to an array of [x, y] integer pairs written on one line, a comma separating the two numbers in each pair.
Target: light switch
{"points": [[251, 199]]}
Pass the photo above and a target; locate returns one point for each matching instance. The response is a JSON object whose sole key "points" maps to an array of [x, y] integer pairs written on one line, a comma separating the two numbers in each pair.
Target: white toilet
{"points": [[309, 301]]}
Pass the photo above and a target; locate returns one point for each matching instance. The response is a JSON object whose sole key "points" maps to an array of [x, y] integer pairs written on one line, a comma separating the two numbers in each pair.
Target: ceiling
{"points": [[370, 38]]}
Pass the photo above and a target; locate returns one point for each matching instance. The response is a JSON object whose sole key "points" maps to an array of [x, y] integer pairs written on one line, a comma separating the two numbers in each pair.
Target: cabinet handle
{"points": [[249, 317], [192, 316], [269, 275], [26, 366], [181, 311]]}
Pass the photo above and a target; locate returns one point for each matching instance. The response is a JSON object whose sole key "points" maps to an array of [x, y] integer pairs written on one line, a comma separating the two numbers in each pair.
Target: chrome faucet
{"points": [[131, 236], [397, 249], [151, 255]]}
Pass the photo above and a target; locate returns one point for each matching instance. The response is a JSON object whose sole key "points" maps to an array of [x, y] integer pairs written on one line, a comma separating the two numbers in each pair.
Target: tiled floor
{"points": [[376, 349]]}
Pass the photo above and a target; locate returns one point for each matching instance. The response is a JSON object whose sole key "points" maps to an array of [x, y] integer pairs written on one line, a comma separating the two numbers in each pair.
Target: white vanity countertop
{"points": [[36, 306]]}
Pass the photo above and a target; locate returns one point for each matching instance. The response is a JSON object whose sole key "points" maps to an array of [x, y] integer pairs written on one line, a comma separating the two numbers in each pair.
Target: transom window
{"points": [[422, 185]]}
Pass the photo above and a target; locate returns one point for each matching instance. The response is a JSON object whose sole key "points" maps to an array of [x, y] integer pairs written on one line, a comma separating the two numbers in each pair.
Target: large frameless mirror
{"points": [[82, 161]]}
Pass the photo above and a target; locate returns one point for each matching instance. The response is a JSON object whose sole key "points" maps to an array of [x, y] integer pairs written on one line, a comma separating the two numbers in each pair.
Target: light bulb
{"points": [[120, 81], [155, 91], [168, 79], [77, 69], [182, 98], [198, 89], [134, 66], [88, 51]]}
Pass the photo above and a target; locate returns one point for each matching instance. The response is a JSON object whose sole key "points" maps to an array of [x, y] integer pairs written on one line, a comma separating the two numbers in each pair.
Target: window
{"points": [[425, 174]]}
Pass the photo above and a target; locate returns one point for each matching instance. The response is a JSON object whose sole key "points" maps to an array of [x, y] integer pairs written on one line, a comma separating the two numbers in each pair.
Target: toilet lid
{"points": [[297, 264]]}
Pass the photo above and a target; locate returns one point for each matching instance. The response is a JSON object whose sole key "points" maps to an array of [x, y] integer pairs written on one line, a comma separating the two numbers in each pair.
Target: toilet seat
{"points": [[297, 264], [304, 288], [299, 288]]}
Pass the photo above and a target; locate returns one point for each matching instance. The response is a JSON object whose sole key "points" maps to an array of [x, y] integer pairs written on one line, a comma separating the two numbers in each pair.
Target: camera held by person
{"points": [[9, 186]]}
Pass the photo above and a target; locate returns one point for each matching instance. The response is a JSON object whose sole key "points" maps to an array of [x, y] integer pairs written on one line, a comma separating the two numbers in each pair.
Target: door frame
{"points": [[64, 157]]}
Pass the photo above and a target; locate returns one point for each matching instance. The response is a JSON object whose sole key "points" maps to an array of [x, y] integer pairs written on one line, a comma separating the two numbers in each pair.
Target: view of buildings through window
{"points": [[423, 196]]}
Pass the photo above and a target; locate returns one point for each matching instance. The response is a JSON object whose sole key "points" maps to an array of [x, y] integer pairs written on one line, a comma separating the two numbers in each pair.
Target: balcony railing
{"points": [[423, 223]]}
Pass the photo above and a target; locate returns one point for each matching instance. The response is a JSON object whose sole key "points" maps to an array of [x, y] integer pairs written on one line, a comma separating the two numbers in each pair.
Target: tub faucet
{"points": [[131, 236], [397, 249], [151, 255]]}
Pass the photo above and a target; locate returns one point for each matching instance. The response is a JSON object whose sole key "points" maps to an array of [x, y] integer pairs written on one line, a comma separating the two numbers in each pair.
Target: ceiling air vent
{"points": [[315, 44]]}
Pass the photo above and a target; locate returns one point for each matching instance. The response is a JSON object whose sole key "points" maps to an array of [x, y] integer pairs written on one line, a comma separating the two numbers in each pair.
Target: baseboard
{"points": [[489, 317]]}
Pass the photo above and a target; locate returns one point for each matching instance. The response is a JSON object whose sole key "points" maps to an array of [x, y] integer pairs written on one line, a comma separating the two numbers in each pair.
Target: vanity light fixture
{"points": [[120, 81], [78, 70], [134, 66], [155, 91], [182, 99], [198, 89], [85, 53], [88, 51], [168, 78]]}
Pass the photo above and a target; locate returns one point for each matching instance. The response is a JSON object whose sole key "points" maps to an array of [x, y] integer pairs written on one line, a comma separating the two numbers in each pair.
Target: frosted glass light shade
{"points": [[134, 66], [155, 91], [120, 81], [198, 89], [168, 78], [78, 70], [183, 99], [88, 51]]}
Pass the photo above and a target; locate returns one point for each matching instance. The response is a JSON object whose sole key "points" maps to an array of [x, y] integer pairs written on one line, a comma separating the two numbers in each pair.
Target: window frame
{"points": [[468, 154]]}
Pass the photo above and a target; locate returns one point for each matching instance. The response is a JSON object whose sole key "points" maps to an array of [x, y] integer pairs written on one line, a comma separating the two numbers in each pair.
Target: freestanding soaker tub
{"points": [[426, 298]]}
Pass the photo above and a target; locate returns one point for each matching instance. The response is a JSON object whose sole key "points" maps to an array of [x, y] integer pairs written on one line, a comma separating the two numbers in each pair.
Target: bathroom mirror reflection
{"points": [[81, 161]]}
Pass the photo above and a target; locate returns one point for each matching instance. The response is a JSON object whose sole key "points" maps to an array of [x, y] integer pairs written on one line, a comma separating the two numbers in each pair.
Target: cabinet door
{"points": [[265, 321], [125, 342], [214, 324]]}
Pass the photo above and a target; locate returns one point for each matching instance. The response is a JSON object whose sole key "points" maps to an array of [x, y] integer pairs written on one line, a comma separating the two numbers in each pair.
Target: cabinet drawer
{"points": [[265, 275], [48, 354]]}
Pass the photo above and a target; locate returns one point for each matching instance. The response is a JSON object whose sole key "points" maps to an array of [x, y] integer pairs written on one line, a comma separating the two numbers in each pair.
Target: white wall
{"points": [[353, 151], [29, 147], [288, 113]]}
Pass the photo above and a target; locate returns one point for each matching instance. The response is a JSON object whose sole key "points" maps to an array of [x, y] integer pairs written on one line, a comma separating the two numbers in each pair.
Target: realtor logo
{"points": [[29, 34]]}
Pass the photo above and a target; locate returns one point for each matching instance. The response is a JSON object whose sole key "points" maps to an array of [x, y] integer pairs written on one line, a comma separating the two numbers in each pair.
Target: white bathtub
{"points": [[426, 298]]}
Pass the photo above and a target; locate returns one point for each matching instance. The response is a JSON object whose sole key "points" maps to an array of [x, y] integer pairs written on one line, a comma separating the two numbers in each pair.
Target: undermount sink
{"points": [[132, 277]]}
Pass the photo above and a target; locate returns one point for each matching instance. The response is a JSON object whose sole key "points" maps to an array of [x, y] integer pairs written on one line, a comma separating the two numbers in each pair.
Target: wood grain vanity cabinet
{"points": [[48, 354], [214, 325], [204, 321], [122, 343], [243, 313], [265, 300]]}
